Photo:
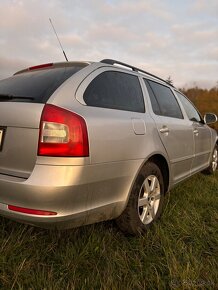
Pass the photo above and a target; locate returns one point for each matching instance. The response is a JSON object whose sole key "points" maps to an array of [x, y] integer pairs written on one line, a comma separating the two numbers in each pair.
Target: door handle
{"points": [[196, 132], [164, 129]]}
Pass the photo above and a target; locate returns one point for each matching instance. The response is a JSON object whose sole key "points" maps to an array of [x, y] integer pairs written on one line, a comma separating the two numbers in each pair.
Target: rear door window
{"points": [[115, 90], [35, 86], [163, 100]]}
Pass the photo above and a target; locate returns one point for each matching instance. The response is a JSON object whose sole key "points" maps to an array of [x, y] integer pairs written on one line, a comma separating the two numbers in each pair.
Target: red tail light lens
{"points": [[62, 133]]}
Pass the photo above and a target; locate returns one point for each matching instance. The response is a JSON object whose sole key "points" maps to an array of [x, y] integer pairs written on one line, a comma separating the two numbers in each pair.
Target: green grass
{"points": [[178, 252]]}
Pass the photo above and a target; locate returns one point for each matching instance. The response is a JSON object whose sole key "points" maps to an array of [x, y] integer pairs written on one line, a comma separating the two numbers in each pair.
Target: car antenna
{"points": [[58, 39]]}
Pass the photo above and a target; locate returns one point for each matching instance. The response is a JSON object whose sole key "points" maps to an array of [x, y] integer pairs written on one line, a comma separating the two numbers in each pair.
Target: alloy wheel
{"points": [[214, 160], [149, 199]]}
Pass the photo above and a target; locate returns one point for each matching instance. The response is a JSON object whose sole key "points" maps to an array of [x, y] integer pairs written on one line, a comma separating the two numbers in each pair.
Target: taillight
{"points": [[62, 133]]}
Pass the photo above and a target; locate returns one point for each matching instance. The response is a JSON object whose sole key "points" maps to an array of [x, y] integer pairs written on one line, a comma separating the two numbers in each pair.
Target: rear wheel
{"points": [[145, 202], [214, 162]]}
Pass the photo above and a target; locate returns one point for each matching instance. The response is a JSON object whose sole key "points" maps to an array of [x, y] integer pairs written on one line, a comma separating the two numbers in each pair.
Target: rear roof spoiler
{"points": [[54, 65]]}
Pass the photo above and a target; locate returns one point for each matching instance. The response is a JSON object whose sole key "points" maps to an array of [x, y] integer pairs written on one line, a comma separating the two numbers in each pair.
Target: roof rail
{"points": [[113, 61]]}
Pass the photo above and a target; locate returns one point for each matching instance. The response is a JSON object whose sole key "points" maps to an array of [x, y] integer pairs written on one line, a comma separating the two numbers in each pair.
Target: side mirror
{"points": [[210, 118]]}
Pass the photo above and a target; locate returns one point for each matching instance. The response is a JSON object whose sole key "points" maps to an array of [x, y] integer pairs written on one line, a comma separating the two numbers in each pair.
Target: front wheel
{"points": [[213, 163], [145, 202]]}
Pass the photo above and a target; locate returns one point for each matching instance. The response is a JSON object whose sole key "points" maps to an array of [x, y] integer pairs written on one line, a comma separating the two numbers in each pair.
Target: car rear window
{"points": [[35, 86]]}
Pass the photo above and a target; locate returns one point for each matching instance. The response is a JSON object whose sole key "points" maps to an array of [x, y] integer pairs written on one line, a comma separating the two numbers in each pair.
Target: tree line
{"points": [[206, 101]]}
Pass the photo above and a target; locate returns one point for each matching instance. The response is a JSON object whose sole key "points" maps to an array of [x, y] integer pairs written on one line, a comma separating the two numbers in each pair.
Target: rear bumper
{"points": [[78, 194], [59, 222]]}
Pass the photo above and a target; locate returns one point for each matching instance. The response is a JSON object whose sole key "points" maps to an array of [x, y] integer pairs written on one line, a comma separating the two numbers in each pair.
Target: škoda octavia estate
{"points": [[84, 142]]}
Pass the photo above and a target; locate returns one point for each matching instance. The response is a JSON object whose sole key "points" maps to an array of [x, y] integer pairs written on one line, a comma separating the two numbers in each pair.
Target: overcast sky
{"points": [[165, 37]]}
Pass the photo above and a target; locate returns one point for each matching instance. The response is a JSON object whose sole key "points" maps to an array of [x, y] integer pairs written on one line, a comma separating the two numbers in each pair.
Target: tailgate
{"points": [[19, 133]]}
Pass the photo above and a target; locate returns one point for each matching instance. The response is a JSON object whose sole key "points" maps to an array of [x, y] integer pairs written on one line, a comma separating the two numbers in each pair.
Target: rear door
{"points": [[176, 133]]}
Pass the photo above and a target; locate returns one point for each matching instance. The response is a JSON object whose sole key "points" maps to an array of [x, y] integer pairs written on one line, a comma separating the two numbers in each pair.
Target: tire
{"points": [[213, 163], [145, 202]]}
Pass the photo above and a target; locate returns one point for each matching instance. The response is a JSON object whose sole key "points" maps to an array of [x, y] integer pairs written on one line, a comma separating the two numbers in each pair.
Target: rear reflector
{"points": [[62, 133], [31, 211], [41, 66]]}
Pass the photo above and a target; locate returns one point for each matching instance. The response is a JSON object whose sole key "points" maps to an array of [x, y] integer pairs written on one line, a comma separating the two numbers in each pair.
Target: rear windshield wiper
{"points": [[4, 97]]}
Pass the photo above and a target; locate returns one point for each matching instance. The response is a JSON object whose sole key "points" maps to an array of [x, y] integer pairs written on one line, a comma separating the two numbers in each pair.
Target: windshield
{"points": [[35, 86]]}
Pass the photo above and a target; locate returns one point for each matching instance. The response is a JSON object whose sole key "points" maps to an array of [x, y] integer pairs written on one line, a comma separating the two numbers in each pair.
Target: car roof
{"points": [[108, 62]]}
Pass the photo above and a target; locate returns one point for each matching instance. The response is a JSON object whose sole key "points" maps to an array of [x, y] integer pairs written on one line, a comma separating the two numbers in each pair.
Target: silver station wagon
{"points": [[83, 142]]}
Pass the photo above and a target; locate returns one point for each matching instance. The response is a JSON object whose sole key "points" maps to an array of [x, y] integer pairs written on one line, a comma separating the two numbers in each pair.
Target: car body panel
{"points": [[203, 146], [70, 190]]}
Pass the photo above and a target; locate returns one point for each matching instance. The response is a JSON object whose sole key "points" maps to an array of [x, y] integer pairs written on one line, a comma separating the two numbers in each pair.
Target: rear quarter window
{"points": [[115, 90], [37, 85]]}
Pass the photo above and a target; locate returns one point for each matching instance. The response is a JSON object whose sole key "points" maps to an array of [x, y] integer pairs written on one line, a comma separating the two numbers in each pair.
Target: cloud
{"points": [[166, 37], [205, 7], [196, 33], [11, 65]]}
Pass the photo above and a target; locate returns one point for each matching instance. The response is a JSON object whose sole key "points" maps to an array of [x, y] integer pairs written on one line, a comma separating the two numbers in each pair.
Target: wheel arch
{"points": [[123, 219], [163, 165], [161, 162]]}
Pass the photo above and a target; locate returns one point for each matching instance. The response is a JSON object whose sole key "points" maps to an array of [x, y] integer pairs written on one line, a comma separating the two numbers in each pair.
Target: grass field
{"points": [[179, 252]]}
